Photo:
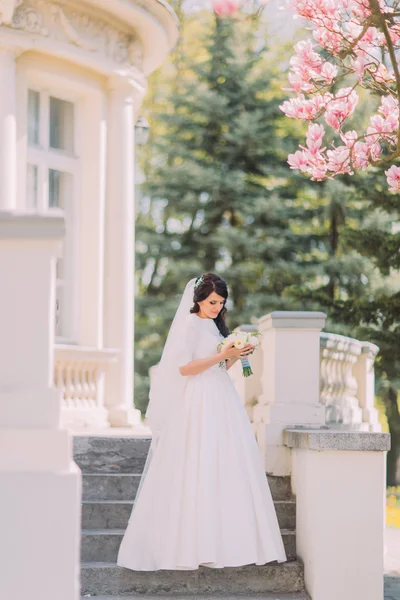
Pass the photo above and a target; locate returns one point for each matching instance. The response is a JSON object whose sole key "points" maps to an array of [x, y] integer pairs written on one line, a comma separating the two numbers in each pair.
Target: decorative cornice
{"points": [[7, 9], [67, 23]]}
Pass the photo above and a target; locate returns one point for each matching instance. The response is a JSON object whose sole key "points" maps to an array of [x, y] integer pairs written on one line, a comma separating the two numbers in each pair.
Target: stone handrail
{"points": [[347, 383], [79, 374], [345, 371]]}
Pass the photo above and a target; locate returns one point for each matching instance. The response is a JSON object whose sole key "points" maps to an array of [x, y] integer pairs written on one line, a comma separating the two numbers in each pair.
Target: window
{"points": [[51, 182], [61, 125]]}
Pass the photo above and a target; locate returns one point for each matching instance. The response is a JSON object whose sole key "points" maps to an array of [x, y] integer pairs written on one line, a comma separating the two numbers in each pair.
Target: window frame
{"points": [[45, 158]]}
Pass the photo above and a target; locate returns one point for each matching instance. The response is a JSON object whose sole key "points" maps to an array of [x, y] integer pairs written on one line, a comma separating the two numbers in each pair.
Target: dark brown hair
{"points": [[211, 283]]}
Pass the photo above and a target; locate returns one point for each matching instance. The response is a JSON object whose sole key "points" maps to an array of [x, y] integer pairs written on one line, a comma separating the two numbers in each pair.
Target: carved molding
{"points": [[7, 9], [67, 24]]}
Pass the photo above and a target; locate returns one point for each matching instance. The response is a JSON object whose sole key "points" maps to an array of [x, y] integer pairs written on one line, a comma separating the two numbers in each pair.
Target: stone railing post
{"points": [[364, 373], [290, 382], [39, 482], [339, 480]]}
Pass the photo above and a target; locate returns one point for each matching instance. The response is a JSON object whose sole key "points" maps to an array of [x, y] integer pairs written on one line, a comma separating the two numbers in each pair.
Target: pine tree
{"points": [[376, 316], [220, 196]]}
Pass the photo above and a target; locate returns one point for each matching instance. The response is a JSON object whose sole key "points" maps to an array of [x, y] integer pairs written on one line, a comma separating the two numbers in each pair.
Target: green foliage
{"points": [[220, 196]]}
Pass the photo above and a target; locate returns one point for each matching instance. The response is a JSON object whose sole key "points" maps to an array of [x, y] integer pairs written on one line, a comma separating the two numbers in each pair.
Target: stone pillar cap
{"points": [[324, 438], [25, 225], [291, 319]]}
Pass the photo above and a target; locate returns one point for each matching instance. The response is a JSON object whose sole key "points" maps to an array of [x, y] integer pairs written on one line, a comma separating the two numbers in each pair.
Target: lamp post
{"points": [[142, 130]]}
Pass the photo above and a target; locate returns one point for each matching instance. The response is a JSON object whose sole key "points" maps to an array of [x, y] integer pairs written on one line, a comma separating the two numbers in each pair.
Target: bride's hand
{"points": [[233, 352]]}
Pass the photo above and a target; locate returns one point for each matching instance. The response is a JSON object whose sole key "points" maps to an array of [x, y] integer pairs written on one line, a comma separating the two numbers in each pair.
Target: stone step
{"points": [[127, 456], [123, 488], [109, 579], [102, 545], [268, 596], [109, 454], [109, 487], [115, 514]]}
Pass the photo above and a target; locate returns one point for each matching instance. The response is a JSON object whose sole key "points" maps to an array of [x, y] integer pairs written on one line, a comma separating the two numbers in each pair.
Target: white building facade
{"points": [[73, 76]]}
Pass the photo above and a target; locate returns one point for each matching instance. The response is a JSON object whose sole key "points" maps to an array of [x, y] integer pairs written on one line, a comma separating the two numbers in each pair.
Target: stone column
{"points": [[8, 129], [120, 252], [290, 382], [339, 480], [364, 373], [40, 484]]}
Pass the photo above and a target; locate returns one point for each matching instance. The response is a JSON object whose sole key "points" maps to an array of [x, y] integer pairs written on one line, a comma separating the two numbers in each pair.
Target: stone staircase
{"points": [[111, 468]]}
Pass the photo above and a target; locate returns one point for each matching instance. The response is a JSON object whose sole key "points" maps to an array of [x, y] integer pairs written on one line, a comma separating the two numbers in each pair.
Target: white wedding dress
{"points": [[205, 499]]}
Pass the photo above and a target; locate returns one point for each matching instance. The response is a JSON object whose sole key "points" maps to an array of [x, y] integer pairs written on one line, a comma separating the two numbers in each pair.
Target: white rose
{"points": [[240, 340], [254, 340]]}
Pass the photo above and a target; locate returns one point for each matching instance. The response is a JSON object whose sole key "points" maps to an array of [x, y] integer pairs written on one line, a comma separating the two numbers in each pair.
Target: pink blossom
{"points": [[389, 105], [377, 124], [299, 108], [360, 155], [298, 160], [375, 151], [314, 137], [393, 178], [392, 123], [331, 40], [349, 138], [298, 83], [355, 41], [318, 171], [225, 8], [333, 120], [394, 32], [382, 75], [306, 61], [338, 160], [328, 72], [359, 65], [341, 107]]}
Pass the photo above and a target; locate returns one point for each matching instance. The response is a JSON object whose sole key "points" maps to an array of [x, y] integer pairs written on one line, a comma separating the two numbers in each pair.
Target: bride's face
{"points": [[211, 306]]}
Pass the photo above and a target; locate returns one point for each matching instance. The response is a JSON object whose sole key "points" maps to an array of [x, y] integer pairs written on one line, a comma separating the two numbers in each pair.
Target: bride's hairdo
{"points": [[203, 287]]}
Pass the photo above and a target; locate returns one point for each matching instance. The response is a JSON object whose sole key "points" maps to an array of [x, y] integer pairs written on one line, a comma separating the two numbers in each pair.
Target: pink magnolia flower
{"points": [[339, 160], [349, 138], [326, 38], [356, 45], [333, 120], [389, 105], [298, 83], [394, 32], [298, 160], [360, 155], [299, 108], [314, 138], [382, 75], [328, 72], [341, 107], [225, 8], [393, 178], [377, 124], [318, 171], [305, 57], [359, 65]]}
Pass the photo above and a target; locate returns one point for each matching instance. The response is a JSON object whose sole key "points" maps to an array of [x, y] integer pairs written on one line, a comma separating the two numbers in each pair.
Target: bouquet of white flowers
{"points": [[239, 339]]}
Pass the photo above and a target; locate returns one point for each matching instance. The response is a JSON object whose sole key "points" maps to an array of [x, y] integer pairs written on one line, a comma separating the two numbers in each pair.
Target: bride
{"points": [[203, 498]]}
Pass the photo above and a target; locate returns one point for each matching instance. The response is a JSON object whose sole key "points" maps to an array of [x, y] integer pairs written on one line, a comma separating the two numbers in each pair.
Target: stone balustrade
{"points": [[345, 387], [79, 374], [347, 383]]}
